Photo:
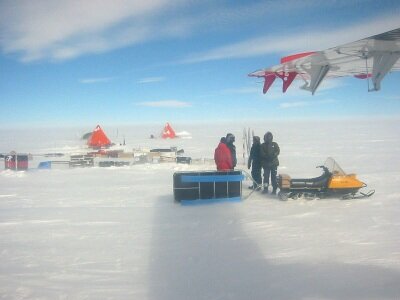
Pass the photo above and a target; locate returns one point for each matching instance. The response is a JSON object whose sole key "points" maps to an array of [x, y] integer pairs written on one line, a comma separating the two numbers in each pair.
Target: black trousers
{"points": [[273, 171], [256, 174]]}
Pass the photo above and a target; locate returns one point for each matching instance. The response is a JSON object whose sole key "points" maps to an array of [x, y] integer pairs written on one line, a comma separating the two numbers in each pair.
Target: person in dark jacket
{"points": [[269, 152], [230, 139], [223, 156], [254, 162]]}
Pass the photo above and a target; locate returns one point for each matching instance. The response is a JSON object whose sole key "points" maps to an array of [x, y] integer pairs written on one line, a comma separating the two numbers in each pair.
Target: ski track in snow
{"points": [[8, 196], [116, 233]]}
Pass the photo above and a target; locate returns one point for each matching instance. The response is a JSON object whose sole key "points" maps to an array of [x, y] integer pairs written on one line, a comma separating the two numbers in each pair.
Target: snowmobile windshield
{"points": [[333, 167]]}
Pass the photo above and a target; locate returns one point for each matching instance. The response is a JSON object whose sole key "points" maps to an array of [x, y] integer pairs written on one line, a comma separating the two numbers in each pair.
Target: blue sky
{"points": [[94, 62]]}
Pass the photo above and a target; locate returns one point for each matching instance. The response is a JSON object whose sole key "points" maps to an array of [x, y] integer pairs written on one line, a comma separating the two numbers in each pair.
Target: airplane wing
{"points": [[370, 58]]}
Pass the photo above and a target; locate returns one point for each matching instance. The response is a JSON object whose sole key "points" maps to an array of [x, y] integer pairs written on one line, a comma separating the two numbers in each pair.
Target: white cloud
{"points": [[330, 83], [151, 79], [165, 103], [318, 39], [296, 104], [294, 91], [64, 29], [95, 80], [68, 28]]}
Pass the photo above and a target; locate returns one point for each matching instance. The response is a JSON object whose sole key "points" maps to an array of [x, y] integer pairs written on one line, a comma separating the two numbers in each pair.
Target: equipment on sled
{"points": [[334, 182], [203, 187]]}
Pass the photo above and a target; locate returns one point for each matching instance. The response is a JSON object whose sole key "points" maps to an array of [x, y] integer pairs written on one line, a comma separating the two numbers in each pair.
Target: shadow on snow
{"points": [[200, 253]]}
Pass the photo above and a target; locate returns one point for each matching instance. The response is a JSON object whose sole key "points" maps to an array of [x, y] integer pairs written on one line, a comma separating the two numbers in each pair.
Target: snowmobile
{"points": [[334, 182]]}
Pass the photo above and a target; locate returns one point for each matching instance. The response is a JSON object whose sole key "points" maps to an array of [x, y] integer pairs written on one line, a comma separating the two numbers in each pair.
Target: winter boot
{"points": [[265, 190]]}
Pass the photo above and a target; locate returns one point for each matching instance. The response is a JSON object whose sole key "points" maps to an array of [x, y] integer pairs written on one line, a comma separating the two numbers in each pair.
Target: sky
{"points": [[116, 62]]}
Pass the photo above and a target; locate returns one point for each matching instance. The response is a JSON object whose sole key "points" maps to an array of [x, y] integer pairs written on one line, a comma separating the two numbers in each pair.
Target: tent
{"points": [[98, 138], [168, 132], [86, 136]]}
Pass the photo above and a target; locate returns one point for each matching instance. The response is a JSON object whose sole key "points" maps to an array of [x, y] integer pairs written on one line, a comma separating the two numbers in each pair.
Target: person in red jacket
{"points": [[223, 156]]}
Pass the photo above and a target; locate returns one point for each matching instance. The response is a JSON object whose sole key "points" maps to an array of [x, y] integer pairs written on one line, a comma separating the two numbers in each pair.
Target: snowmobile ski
{"points": [[333, 183]]}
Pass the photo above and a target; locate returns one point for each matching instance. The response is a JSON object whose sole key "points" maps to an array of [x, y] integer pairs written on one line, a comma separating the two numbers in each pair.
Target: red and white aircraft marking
{"points": [[370, 58]]}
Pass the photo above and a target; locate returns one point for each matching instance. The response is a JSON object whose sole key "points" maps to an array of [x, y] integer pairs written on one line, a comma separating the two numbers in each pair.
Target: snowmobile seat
{"points": [[317, 182]]}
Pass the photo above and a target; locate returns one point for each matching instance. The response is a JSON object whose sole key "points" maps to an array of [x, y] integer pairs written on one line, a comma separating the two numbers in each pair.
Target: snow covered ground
{"points": [[116, 233]]}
